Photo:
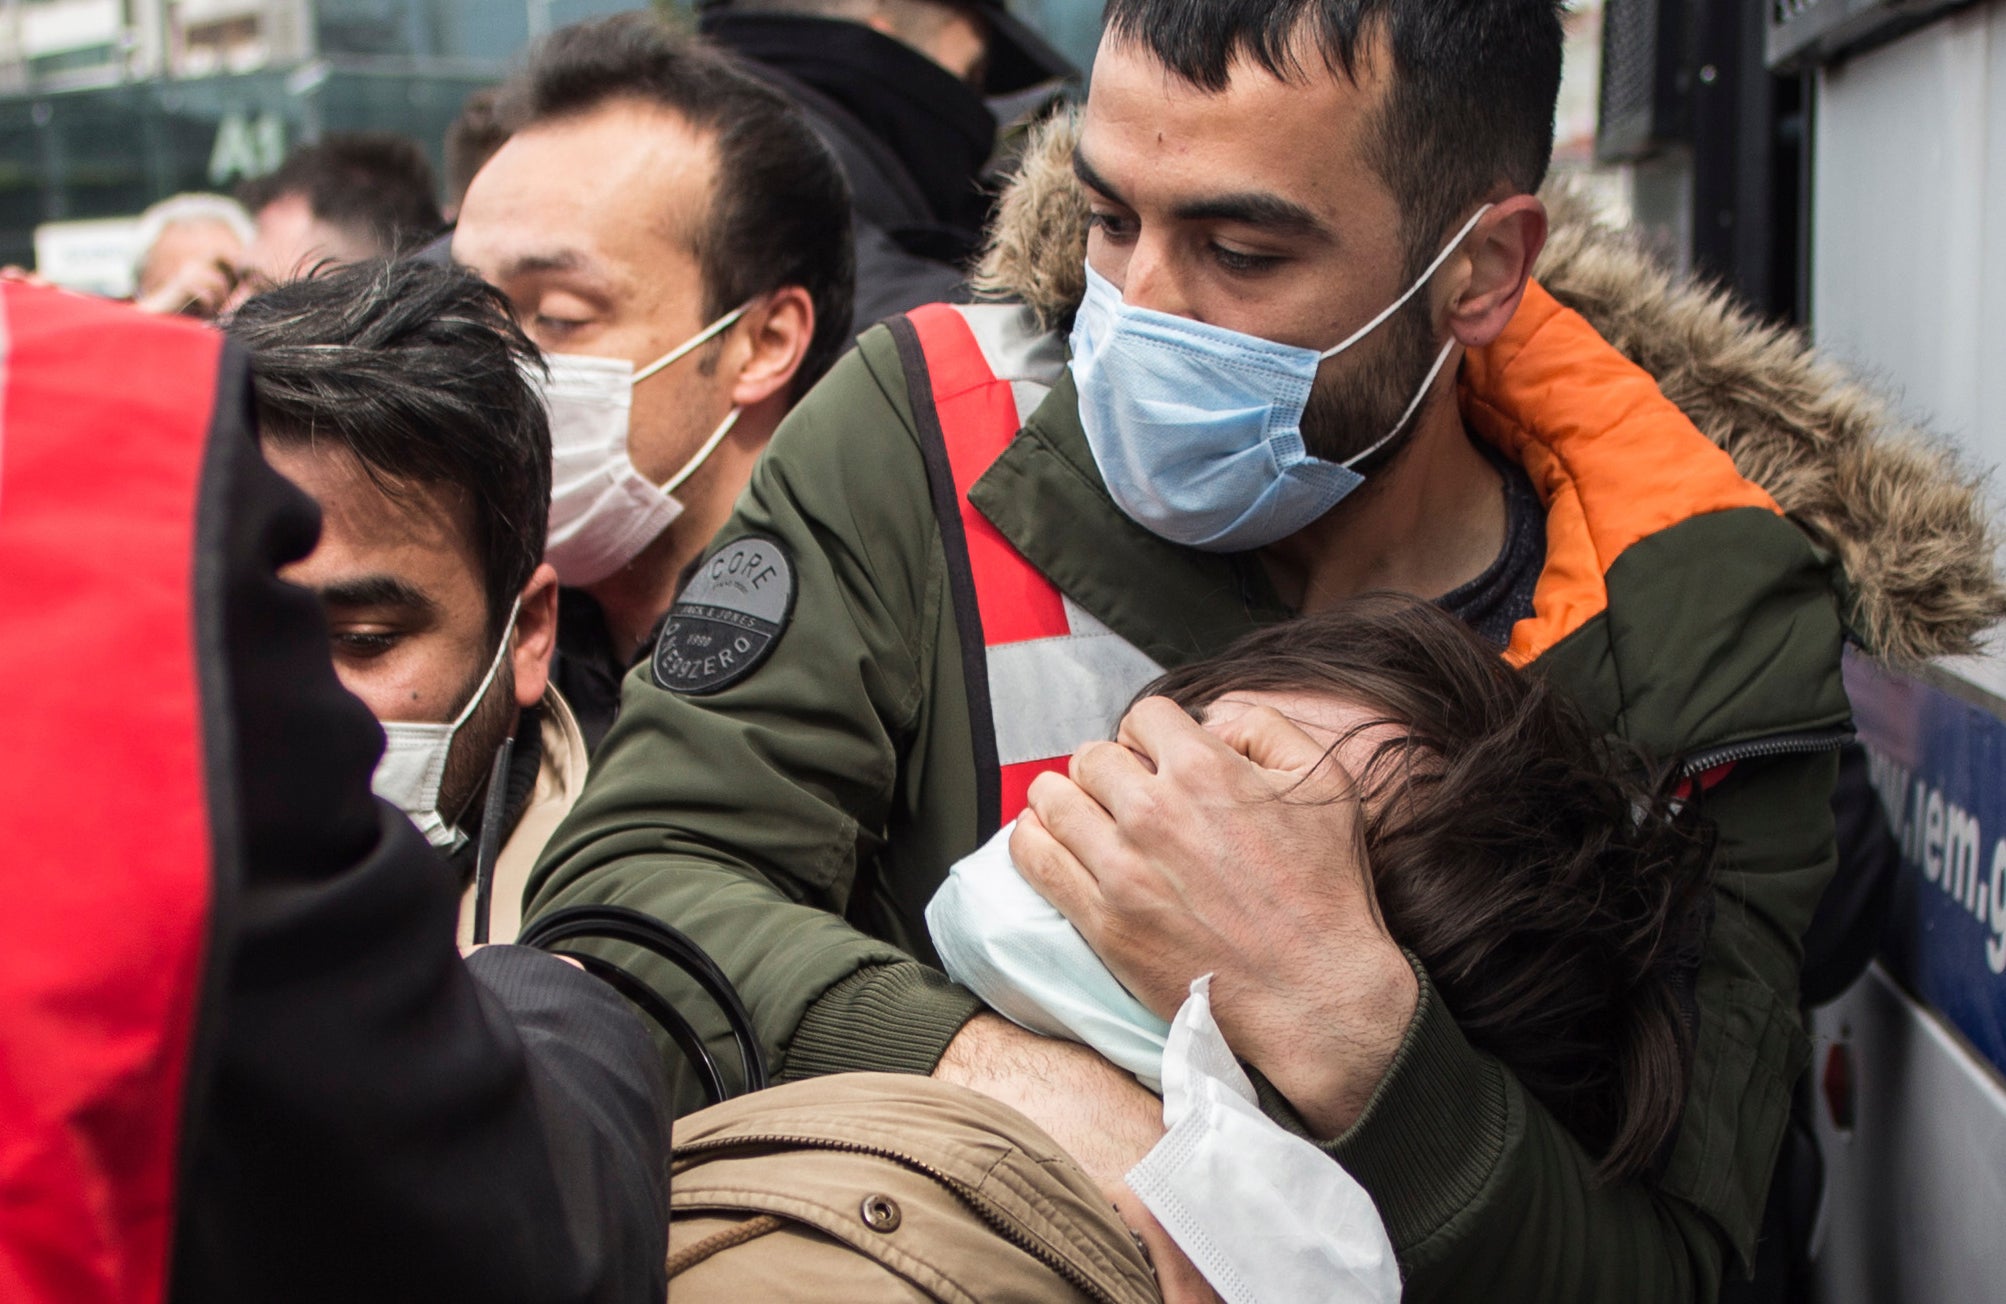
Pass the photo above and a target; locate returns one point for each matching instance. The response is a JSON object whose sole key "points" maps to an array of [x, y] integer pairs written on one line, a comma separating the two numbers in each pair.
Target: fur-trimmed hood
{"points": [[1911, 526]]}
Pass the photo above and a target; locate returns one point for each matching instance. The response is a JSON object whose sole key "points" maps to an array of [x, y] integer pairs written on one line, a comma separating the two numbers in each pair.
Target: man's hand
{"points": [[197, 290], [1096, 1112], [1237, 852]]}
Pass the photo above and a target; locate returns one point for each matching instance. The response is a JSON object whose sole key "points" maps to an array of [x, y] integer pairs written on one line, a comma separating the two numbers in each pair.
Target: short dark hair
{"points": [[372, 184], [1553, 892], [472, 140], [420, 371], [781, 212], [1475, 83]]}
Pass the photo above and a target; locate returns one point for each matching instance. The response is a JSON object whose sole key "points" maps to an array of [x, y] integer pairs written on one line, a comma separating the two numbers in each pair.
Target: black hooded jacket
{"points": [[912, 140], [260, 1068]]}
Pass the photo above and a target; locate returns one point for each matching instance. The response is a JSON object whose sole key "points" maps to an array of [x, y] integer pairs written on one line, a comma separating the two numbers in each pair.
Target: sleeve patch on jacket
{"points": [[727, 619]]}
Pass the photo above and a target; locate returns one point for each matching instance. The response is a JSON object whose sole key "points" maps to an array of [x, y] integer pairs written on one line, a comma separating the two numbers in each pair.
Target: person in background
{"points": [[343, 199], [895, 87], [191, 250], [471, 141], [256, 1067], [398, 395], [1534, 864], [675, 238], [1541, 869]]}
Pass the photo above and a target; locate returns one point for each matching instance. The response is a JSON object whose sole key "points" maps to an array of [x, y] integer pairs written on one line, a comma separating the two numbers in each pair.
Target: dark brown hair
{"points": [[1555, 897], [421, 372], [374, 185], [1473, 95], [780, 213]]}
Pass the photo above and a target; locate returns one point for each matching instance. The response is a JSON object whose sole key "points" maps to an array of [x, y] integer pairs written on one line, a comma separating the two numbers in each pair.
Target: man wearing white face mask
{"points": [[675, 238], [399, 397]]}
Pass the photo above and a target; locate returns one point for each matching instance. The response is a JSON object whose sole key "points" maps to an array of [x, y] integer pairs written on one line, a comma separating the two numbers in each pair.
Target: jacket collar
{"points": [[560, 778], [1612, 459]]}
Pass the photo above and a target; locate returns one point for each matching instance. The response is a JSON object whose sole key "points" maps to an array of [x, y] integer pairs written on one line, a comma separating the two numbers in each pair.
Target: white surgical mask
{"points": [[997, 937], [1197, 429], [414, 758], [603, 511]]}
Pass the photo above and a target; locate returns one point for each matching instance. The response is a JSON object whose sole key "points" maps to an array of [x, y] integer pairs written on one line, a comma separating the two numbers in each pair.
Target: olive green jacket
{"points": [[797, 822]]}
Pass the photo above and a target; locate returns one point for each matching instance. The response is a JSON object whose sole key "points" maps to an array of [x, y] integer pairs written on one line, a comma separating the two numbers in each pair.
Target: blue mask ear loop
{"points": [[1413, 289], [1441, 359]]}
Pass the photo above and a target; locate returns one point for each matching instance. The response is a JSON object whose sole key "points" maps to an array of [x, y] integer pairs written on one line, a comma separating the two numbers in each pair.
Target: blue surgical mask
{"points": [[1197, 430]]}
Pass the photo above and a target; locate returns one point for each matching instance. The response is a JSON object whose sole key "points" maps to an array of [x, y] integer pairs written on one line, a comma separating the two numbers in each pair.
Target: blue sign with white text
{"points": [[1940, 767]]}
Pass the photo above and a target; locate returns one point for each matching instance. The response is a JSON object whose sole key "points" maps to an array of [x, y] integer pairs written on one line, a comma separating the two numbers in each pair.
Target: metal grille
{"points": [[1632, 63]]}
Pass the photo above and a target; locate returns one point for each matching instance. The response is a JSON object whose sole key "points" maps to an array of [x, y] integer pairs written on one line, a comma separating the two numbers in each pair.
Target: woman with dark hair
{"points": [[1543, 880], [1549, 885]]}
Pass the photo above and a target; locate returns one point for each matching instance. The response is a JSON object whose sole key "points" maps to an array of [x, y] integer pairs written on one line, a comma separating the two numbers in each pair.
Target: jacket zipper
{"points": [[996, 1221], [1806, 743]]}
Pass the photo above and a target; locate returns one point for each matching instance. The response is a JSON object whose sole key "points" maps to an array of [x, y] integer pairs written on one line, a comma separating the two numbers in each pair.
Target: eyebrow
{"points": [[375, 591], [1256, 208], [564, 260], [1092, 179]]}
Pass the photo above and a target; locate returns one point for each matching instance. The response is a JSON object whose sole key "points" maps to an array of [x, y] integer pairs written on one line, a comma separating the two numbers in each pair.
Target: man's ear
{"points": [[779, 330], [1502, 251], [535, 636]]}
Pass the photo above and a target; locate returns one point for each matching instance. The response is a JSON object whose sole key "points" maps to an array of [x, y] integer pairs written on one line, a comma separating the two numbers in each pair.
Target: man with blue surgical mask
{"points": [[1269, 339], [676, 239]]}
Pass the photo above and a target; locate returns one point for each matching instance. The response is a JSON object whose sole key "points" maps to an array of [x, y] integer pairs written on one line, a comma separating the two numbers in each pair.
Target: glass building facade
{"points": [[111, 151], [109, 105], [87, 134]]}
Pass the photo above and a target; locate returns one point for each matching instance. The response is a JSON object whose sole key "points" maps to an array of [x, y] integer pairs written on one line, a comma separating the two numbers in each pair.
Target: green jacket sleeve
{"points": [[742, 817]]}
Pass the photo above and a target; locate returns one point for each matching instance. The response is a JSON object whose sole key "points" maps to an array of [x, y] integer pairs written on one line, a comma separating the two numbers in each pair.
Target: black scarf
{"points": [[933, 121]]}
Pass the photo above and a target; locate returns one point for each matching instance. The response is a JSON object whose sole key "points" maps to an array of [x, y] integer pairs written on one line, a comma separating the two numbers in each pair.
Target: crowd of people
{"points": [[1141, 628]]}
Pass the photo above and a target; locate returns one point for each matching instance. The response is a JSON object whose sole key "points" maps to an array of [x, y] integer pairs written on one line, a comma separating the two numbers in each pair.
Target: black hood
{"points": [[1019, 58], [935, 126]]}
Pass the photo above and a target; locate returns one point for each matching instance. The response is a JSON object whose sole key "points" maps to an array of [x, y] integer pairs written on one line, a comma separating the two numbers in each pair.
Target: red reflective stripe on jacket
{"points": [[1704, 781], [104, 416], [978, 419]]}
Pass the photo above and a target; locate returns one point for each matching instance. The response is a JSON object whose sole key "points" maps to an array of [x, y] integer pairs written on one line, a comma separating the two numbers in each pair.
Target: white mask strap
{"points": [[494, 668], [702, 338], [1420, 394], [703, 454], [1415, 288]]}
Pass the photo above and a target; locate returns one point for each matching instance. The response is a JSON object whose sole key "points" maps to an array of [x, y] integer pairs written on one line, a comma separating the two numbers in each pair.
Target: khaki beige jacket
{"points": [[869, 1187]]}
